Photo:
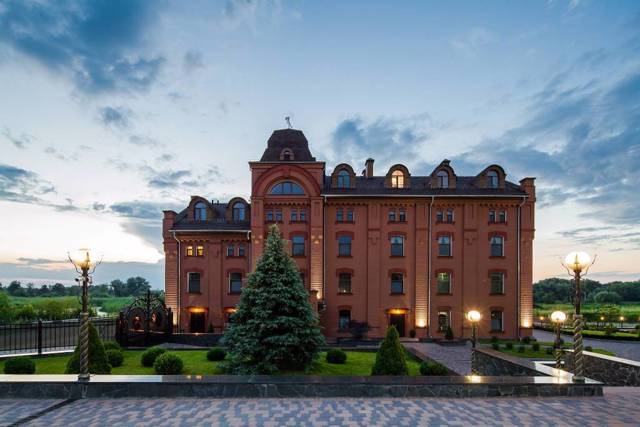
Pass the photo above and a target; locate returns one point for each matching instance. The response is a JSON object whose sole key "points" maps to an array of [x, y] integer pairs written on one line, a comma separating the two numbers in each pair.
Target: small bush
{"points": [[390, 358], [433, 368], [610, 330], [588, 348], [337, 356], [112, 345], [149, 357], [520, 349], [525, 340], [494, 339], [216, 354], [20, 365], [548, 350], [448, 335], [168, 364], [115, 357], [509, 346], [535, 346], [495, 346], [561, 342]]}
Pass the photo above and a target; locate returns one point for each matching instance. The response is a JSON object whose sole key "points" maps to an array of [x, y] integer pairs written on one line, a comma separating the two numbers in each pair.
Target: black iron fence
{"points": [[42, 337]]}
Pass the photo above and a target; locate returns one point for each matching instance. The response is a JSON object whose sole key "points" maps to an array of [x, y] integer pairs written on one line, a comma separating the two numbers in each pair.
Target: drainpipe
{"points": [[324, 252], [429, 244], [518, 266], [178, 296]]}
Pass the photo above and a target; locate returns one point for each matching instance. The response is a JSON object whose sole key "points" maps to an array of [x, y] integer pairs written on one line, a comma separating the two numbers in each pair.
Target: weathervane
{"points": [[288, 120]]}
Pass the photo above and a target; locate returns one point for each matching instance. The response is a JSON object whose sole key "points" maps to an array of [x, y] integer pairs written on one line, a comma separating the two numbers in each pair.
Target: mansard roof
{"points": [[291, 139], [219, 221]]}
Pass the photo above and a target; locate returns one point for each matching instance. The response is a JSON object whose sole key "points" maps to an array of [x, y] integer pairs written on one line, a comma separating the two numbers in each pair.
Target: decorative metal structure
{"points": [[577, 265], [85, 266], [146, 316], [474, 317], [558, 318]]}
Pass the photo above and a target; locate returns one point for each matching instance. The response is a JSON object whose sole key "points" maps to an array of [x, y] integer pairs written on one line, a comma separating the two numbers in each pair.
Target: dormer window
{"points": [[492, 179], [397, 179], [200, 212], [344, 179], [286, 155], [443, 179], [287, 188], [238, 211]]}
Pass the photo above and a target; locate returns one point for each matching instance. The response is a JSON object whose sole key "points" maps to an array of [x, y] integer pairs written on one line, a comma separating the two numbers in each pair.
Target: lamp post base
{"points": [[84, 377], [577, 379]]}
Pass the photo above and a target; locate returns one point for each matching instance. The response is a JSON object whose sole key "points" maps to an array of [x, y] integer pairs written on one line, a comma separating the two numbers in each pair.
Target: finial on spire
{"points": [[288, 120]]}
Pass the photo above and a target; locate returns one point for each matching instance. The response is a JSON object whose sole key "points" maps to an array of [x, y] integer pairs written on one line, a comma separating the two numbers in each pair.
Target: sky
{"points": [[113, 110]]}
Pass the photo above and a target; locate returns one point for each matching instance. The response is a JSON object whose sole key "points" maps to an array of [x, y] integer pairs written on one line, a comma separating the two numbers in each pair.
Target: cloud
{"points": [[117, 117], [471, 41], [139, 209], [168, 178], [618, 237], [192, 61], [66, 157], [92, 43], [20, 141], [20, 185]]}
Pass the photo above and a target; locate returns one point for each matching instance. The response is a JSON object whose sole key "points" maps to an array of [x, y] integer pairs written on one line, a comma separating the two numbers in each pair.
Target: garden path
{"points": [[455, 357]]}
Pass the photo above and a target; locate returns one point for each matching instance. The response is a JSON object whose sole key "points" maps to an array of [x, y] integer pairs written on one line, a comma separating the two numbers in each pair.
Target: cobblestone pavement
{"points": [[618, 407], [626, 349], [455, 357]]}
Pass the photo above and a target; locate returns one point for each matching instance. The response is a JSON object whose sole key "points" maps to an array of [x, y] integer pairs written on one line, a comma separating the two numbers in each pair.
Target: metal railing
{"points": [[49, 336]]}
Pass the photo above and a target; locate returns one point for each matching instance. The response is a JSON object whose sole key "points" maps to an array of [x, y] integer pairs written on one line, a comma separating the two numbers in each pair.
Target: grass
{"points": [[539, 354], [196, 363], [111, 305], [20, 301]]}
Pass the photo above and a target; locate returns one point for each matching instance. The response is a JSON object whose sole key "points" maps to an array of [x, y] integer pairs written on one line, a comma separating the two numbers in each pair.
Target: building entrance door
{"points": [[397, 320], [196, 323]]}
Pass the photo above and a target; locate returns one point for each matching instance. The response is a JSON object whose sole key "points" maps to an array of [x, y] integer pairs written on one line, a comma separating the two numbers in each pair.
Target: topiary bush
{"points": [[168, 364], [520, 349], [433, 368], [548, 350], [509, 346], [149, 357], [20, 365], [390, 358], [448, 335], [112, 345], [216, 354], [535, 346], [98, 362], [115, 357], [588, 348], [495, 346], [336, 356], [525, 340]]}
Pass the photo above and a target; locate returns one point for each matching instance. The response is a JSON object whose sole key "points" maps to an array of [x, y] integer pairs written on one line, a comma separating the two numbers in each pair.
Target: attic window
{"points": [[286, 155], [200, 212], [492, 179], [443, 179], [238, 211], [397, 179], [287, 188], [344, 179]]}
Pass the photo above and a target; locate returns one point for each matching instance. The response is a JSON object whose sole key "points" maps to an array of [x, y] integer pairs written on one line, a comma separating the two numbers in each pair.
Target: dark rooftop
{"points": [[287, 138]]}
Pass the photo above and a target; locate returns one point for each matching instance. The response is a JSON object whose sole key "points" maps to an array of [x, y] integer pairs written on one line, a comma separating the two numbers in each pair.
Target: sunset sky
{"points": [[111, 111]]}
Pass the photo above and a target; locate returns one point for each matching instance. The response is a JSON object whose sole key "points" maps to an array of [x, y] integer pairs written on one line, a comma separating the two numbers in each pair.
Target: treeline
{"points": [[133, 286], [557, 291]]}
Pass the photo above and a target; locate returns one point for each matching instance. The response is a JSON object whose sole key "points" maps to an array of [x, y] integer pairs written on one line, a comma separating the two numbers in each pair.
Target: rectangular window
{"points": [[449, 215], [497, 283], [241, 250], [503, 216], [269, 216], [344, 246], [303, 215], [350, 215], [397, 283], [230, 250], [397, 246], [297, 246], [344, 319], [339, 216], [492, 216], [497, 246], [444, 246], [403, 215], [278, 216], [235, 283], [440, 216], [496, 321], [344, 283], [444, 283], [200, 250], [194, 282], [392, 216], [294, 215], [190, 251], [444, 320]]}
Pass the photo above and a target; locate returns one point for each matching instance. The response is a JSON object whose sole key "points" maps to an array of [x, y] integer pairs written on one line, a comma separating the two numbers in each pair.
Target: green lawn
{"points": [[196, 363], [539, 354]]}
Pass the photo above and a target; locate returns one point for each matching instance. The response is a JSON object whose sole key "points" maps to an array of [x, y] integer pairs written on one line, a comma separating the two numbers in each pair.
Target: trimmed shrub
{"points": [[433, 368], [216, 354], [98, 362], [168, 364], [520, 349], [494, 338], [390, 358], [509, 346], [495, 346], [535, 346], [20, 365], [115, 357], [149, 357], [588, 348], [548, 350], [337, 356], [112, 345], [448, 335], [525, 340]]}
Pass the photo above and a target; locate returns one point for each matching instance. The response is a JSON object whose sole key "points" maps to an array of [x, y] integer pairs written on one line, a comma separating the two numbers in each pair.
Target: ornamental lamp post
{"points": [[474, 317], [85, 266], [558, 318], [577, 265]]}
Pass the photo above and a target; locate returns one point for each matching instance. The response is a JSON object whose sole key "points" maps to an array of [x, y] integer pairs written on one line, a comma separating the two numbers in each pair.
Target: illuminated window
{"points": [[200, 250], [344, 319], [444, 320], [397, 283], [287, 188], [443, 179], [200, 212], [194, 282], [344, 246], [190, 251], [397, 246], [344, 179], [397, 179], [235, 283], [496, 321], [444, 246], [238, 211], [297, 246], [492, 179], [444, 283], [497, 246], [497, 283], [344, 283]]}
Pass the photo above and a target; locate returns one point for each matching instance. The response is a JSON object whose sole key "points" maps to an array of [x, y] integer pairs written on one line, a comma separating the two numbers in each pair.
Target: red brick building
{"points": [[415, 251]]}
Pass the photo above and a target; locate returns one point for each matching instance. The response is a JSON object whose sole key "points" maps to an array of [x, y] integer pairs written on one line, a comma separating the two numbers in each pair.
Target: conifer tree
{"points": [[274, 327], [390, 359]]}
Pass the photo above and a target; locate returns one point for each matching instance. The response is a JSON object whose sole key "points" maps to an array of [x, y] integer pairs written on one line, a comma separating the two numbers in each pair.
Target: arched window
{"points": [[492, 179], [238, 211], [286, 155], [443, 179], [344, 179], [288, 188], [200, 212], [397, 179]]}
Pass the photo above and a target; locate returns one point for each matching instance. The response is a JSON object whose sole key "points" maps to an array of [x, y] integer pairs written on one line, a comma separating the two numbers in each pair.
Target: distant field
{"points": [[110, 305]]}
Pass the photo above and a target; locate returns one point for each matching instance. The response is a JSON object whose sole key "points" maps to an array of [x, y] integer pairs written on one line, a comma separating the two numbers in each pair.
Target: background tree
{"points": [[137, 286], [15, 289], [607, 297], [274, 327], [119, 288]]}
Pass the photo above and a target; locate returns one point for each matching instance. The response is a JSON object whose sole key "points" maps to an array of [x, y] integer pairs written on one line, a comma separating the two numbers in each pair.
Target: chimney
{"points": [[368, 172]]}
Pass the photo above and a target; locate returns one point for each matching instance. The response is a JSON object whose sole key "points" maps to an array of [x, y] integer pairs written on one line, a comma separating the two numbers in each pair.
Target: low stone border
{"points": [[610, 370], [119, 386]]}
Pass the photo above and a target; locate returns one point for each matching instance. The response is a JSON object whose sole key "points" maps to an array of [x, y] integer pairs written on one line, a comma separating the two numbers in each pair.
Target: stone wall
{"points": [[607, 369], [494, 363]]}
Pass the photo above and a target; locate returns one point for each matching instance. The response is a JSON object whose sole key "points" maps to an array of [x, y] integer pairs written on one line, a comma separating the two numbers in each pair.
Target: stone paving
{"points": [[455, 357], [625, 349], [619, 406]]}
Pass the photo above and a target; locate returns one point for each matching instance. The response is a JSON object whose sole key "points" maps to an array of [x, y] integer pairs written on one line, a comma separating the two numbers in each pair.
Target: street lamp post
{"points": [[85, 266], [558, 318], [577, 265], [474, 317]]}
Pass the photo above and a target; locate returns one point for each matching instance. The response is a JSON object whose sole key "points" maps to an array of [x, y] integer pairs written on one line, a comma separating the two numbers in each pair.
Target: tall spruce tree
{"points": [[274, 327]]}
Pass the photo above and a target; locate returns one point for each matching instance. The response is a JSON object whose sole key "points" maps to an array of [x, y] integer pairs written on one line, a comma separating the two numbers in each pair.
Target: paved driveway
{"points": [[617, 407], [626, 349]]}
